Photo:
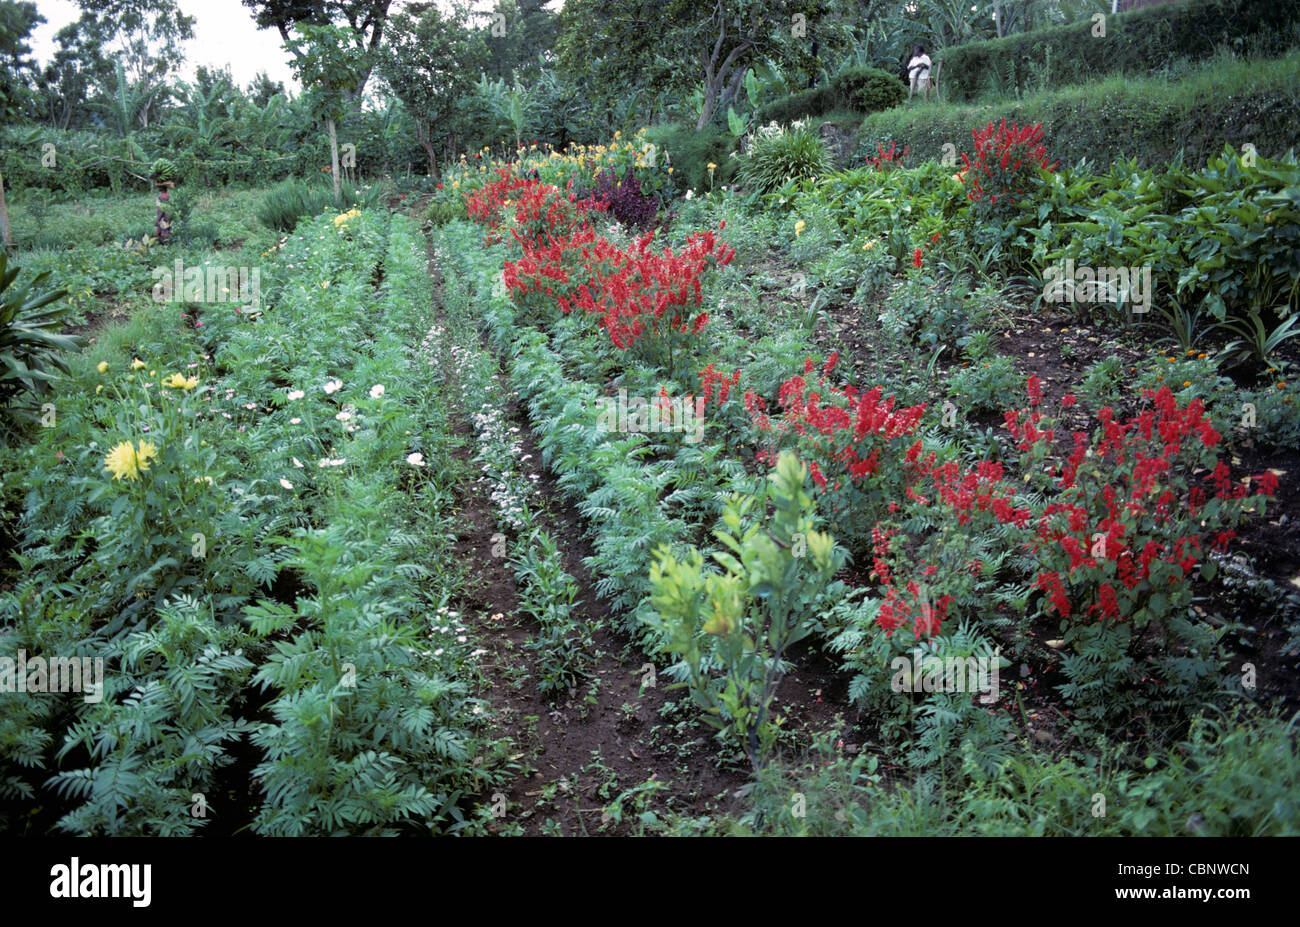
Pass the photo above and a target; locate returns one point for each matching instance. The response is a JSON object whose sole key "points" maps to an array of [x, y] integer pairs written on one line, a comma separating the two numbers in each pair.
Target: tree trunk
{"points": [[424, 135], [4, 214], [334, 160]]}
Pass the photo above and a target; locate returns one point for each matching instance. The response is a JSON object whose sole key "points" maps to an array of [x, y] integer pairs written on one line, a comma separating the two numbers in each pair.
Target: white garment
{"points": [[919, 67]]}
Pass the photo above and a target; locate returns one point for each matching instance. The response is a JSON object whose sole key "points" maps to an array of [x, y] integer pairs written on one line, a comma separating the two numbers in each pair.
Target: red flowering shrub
{"points": [[539, 210], [642, 297], [885, 160], [853, 442], [1005, 166], [1122, 525]]}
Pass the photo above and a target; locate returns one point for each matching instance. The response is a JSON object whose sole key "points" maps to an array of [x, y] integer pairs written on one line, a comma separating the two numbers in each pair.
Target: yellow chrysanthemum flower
{"points": [[127, 462], [102, 367], [180, 381], [799, 227]]}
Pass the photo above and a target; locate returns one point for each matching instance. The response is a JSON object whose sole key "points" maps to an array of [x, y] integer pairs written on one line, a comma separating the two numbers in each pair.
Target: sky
{"points": [[224, 35]]}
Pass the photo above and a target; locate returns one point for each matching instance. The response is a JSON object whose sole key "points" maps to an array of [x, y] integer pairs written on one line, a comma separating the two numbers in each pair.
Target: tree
{"points": [[79, 65], [622, 44], [262, 89], [519, 35], [145, 37], [16, 23], [329, 65], [364, 18], [427, 61]]}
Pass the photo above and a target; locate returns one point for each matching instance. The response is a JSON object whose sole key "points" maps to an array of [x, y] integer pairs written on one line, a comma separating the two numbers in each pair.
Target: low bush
{"points": [[780, 156], [690, 153]]}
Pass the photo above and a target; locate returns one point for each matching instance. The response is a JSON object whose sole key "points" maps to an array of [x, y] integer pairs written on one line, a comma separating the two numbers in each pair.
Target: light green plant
{"points": [[755, 610]]}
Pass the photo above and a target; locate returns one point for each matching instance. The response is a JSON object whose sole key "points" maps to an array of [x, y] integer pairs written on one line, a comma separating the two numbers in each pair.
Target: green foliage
{"points": [[564, 645], [290, 201], [1136, 44], [756, 609], [859, 89], [31, 343], [690, 152], [778, 157], [1238, 102], [867, 90]]}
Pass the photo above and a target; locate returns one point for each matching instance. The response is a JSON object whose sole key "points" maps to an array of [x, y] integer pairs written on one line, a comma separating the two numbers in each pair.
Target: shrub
{"points": [[780, 156], [867, 90], [1005, 167], [815, 101], [691, 152], [440, 212], [860, 89], [292, 200], [624, 200], [756, 610]]}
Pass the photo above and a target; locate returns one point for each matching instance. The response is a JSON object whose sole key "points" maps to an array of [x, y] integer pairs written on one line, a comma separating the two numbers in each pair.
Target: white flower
{"points": [[296, 462], [376, 391], [333, 386], [343, 416], [285, 483], [295, 394], [415, 460], [295, 421]]}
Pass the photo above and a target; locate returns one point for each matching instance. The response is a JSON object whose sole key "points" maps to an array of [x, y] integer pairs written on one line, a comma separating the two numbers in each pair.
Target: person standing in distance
{"points": [[918, 72]]}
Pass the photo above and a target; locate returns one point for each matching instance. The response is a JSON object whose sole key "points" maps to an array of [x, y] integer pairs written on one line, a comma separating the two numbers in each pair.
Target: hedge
{"points": [[1136, 44], [861, 89], [1255, 102]]}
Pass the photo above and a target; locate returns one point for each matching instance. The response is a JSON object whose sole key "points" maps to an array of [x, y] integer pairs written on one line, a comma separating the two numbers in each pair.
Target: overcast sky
{"points": [[224, 35]]}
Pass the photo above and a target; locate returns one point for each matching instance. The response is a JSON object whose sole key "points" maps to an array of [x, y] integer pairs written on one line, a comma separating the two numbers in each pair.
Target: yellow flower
{"points": [[127, 462], [1187, 383], [871, 243], [102, 367], [99, 388], [670, 170], [799, 227], [179, 381], [137, 364], [712, 166]]}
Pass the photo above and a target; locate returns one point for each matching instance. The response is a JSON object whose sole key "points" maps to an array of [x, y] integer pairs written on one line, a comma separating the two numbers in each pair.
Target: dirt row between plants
{"points": [[577, 755]]}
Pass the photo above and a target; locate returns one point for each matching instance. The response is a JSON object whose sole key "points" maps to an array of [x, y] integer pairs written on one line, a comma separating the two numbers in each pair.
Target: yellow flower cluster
{"points": [[126, 462], [179, 381], [581, 157], [344, 218]]}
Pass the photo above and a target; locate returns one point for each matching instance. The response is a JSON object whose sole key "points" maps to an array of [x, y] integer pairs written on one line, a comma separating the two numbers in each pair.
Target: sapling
{"points": [[756, 609]]}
